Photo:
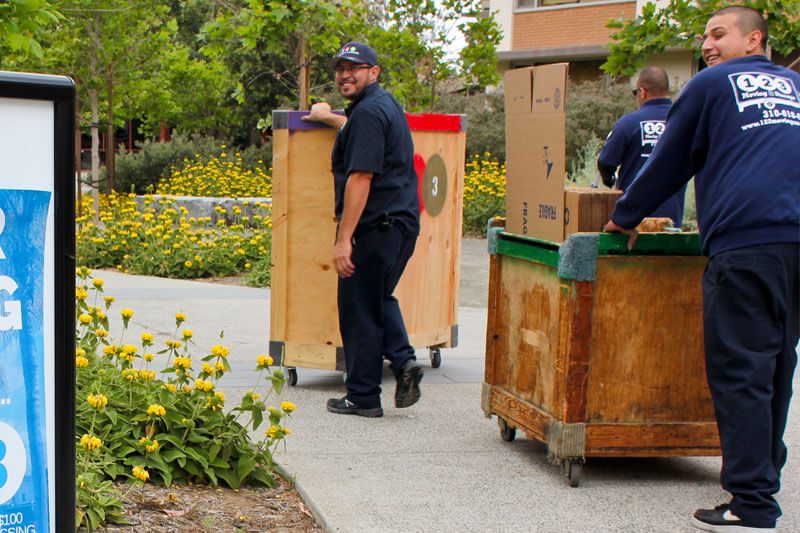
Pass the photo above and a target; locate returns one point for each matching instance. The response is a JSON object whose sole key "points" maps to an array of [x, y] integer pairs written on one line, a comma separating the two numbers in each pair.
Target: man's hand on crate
{"points": [[633, 234]]}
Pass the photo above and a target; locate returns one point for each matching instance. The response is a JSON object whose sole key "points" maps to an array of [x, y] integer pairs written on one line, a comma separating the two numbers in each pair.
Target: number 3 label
{"points": [[13, 461]]}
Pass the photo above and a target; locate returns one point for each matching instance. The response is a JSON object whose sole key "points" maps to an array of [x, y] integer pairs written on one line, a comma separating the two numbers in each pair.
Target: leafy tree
{"points": [[23, 23], [680, 21]]}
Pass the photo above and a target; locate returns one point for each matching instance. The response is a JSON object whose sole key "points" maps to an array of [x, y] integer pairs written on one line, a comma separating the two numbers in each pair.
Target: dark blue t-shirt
{"points": [[376, 138], [736, 128], [629, 144]]}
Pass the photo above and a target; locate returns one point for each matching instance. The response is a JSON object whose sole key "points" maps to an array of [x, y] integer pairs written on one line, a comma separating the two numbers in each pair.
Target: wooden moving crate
{"points": [[598, 352], [304, 326]]}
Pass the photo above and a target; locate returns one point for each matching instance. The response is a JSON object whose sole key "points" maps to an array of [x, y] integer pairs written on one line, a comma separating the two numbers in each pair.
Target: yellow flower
{"points": [[80, 352], [188, 264], [148, 338], [81, 293], [84, 318], [287, 431], [81, 362], [148, 357], [141, 473], [126, 313], [187, 389], [220, 350], [203, 385], [152, 447], [180, 318], [97, 401], [98, 282], [188, 334], [220, 395], [254, 396], [288, 406], [109, 299], [111, 349], [90, 442], [208, 369], [264, 361], [129, 348], [173, 344], [219, 366], [131, 374], [182, 362], [147, 375], [101, 333], [156, 410], [273, 430]]}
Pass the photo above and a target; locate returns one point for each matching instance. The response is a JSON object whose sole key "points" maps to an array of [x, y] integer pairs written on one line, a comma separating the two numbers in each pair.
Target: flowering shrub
{"points": [[221, 176], [136, 426], [160, 239], [484, 193]]}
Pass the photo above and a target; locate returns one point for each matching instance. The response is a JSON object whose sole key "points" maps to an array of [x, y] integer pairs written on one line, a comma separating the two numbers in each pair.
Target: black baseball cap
{"points": [[357, 53]]}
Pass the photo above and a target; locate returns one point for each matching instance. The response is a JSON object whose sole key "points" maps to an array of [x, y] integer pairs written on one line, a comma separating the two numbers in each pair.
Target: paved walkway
{"points": [[439, 465]]}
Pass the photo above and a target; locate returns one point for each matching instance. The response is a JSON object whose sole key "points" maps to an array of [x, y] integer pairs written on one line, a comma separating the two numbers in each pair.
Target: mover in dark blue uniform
{"points": [[633, 137], [736, 128], [378, 211]]}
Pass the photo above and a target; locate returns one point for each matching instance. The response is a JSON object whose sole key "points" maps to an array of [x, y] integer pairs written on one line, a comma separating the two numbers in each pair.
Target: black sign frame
{"points": [[59, 90]]}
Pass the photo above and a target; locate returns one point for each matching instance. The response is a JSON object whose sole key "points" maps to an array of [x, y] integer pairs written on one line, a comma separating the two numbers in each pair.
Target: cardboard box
{"points": [[535, 100], [588, 209]]}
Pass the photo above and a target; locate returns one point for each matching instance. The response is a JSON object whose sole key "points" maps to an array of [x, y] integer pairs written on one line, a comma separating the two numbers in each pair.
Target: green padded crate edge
{"points": [[527, 248], [650, 244]]}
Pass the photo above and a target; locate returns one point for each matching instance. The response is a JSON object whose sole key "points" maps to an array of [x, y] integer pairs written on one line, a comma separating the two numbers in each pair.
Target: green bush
{"points": [[593, 107], [159, 239], [140, 172], [485, 121]]}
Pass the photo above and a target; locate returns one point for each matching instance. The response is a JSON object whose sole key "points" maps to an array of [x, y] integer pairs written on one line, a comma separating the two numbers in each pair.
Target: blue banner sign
{"points": [[24, 506]]}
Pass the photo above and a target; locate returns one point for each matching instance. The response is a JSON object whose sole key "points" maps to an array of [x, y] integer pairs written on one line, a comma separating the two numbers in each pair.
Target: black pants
{"points": [[751, 311], [369, 316]]}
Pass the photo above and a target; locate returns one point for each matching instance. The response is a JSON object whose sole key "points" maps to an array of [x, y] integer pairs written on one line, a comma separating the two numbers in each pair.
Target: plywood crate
{"points": [[598, 352], [304, 327]]}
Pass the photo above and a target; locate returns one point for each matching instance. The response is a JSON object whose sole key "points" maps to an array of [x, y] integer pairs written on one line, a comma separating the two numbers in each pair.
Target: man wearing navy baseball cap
{"points": [[378, 212]]}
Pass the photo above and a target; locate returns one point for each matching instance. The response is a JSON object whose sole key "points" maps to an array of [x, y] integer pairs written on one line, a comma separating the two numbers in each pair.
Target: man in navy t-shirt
{"points": [[736, 128], [378, 212], [633, 137]]}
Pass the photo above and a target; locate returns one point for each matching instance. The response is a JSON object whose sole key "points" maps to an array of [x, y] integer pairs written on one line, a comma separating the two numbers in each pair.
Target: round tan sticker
{"points": [[434, 185]]}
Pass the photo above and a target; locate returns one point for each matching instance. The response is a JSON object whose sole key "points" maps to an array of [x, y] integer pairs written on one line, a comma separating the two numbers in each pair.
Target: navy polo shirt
{"points": [[629, 145], [376, 138]]}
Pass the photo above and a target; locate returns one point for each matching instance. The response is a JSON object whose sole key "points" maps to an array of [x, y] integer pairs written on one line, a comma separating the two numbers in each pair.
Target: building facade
{"points": [[548, 31]]}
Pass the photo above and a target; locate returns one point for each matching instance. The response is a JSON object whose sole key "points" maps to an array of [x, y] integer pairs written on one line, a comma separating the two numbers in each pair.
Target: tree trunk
{"points": [[304, 73], [111, 144], [95, 150]]}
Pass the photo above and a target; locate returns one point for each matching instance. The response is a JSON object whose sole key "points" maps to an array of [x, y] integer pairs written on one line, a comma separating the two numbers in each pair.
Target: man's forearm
{"points": [[356, 192]]}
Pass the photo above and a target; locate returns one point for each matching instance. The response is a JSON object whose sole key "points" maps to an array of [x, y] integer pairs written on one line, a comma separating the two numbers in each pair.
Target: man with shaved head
{"points": [[736, 128], [633, 137]]}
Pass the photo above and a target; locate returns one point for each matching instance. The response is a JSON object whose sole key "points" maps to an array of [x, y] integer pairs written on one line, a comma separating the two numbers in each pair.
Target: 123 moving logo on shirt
{"points": [[775, 96], [651, 131]]}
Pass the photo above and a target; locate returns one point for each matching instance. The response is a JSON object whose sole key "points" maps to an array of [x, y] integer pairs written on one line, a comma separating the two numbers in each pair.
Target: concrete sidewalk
{"points": [[439, 465]]}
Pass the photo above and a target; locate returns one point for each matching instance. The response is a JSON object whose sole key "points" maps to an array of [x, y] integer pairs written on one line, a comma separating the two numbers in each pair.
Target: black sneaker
{"points": [[722, 520], [343, 406], [407, 392]]}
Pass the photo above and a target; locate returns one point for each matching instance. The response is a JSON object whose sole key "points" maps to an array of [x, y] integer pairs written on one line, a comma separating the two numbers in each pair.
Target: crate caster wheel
{"points": [[573, 470], [291, 376], [507, 433], [436, 357]]}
